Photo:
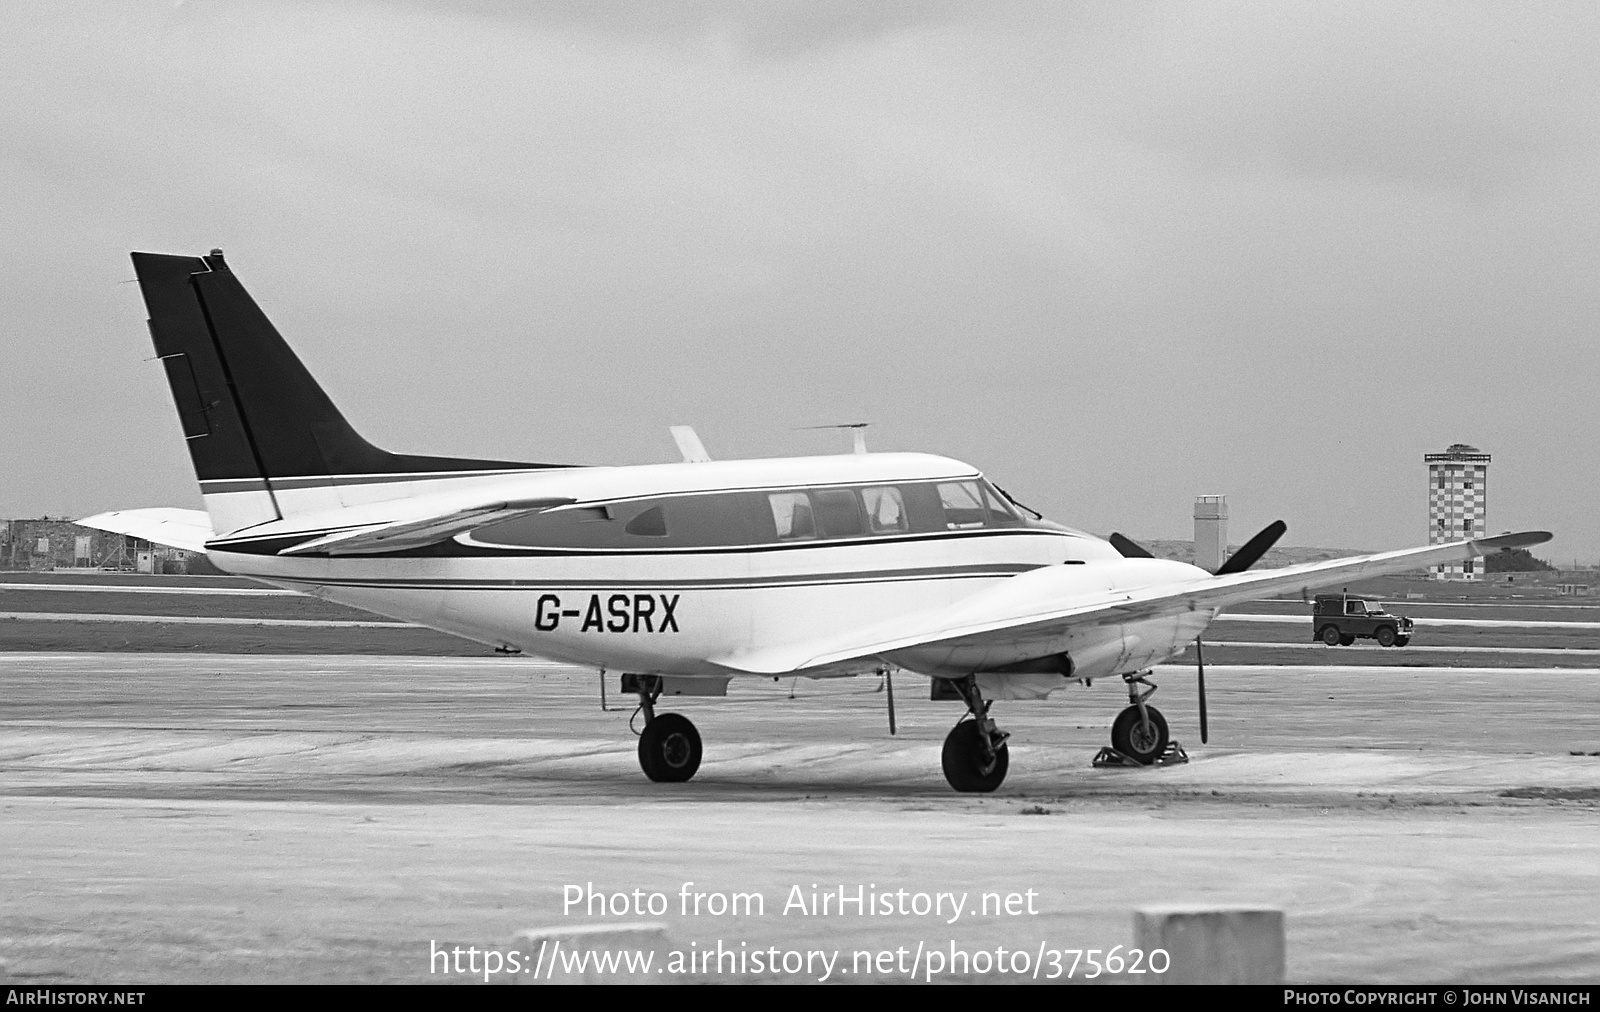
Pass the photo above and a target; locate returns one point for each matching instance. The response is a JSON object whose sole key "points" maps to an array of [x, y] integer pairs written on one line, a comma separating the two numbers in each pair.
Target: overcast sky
{"points": [[1115, 255]]}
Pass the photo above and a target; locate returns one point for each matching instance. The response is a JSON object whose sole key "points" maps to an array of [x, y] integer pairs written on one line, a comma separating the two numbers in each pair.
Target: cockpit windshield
{"points": [[1001, 513], [975, 504], [1011, 500]]}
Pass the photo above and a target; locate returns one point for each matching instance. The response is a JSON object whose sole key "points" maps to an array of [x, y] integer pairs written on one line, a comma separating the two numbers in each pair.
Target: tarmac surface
{"points": [[91, 610], [254, 818]]}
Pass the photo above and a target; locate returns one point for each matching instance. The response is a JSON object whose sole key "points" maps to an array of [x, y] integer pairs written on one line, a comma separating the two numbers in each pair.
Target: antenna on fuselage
{"points": [[689, 445], [858, 428]]}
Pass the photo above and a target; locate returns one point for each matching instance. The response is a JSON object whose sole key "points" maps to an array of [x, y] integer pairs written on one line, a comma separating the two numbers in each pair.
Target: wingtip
{"points": [[1521, 539]]}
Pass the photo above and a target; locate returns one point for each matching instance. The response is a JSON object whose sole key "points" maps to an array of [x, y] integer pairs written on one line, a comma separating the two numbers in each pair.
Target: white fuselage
{"points": [[582, 590]]}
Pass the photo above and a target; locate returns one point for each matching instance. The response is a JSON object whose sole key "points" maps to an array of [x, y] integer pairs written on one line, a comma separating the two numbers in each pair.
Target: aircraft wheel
{"points": [[965, 765], [1132, 738], [669, 749], [1386, 636], [1330, 635], [1345, 641]]}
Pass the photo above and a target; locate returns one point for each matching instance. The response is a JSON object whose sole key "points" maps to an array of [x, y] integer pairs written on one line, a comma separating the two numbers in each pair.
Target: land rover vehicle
{"points": [[1338, 619]]}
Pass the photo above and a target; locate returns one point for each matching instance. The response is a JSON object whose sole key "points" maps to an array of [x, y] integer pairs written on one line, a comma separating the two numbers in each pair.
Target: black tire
{"points": [[1345, 641], [1135, 742], [1385, 636], [669, 749], [965, 766], [1330, 635], [1401, 641]]}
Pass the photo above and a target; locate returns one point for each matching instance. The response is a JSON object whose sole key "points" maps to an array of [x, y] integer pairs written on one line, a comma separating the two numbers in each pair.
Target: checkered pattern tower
{"points": [[1458, 504]]}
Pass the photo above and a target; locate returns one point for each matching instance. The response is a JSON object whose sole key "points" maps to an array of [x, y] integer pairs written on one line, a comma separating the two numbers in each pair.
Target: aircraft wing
{"points": [[185, 529], [1024, 607], [417, 533]]}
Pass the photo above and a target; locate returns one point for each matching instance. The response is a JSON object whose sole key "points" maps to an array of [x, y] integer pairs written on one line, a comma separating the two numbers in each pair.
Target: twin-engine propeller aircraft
{"points": [[685, 575]]}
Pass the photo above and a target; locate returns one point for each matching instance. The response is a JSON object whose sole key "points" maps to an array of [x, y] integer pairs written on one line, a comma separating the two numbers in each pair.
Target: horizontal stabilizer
{"points": [[185, 529], [408, 534]]}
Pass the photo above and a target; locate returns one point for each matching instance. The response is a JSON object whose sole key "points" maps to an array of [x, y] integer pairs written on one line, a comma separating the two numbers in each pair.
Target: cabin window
{"points": [[838, 513], [962, 505], [791, 515], [886, 510], [652, 523]]}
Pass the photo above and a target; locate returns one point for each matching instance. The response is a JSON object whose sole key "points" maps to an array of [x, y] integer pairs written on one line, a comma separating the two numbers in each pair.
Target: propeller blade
{"points": [[1129, 548], [1200, 659], [1253, 549]]}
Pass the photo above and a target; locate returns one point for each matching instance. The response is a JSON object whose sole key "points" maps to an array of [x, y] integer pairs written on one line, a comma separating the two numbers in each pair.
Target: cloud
{"points": [[1118, 254]]}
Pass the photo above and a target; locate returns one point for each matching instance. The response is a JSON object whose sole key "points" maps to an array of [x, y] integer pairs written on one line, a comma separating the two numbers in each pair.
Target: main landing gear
{"points": [[1139, 735], [975, 757], [669, 745]]}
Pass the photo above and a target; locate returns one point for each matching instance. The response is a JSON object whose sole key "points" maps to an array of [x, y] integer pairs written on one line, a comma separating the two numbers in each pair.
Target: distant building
{"points": [[1458, 504], [45, 543], [1210, 531]]}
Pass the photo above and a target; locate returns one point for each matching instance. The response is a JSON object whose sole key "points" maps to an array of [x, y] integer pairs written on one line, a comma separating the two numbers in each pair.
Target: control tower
{"points": [[1458, 504]]}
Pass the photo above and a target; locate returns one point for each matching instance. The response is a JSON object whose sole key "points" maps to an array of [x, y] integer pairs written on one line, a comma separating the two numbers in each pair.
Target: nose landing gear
{"points": [[1141, 738], [975, 757], [1139, 735]]}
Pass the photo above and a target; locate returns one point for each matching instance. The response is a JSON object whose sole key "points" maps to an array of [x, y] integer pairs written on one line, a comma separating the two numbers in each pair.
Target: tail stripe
{"points": [[233, 388]]}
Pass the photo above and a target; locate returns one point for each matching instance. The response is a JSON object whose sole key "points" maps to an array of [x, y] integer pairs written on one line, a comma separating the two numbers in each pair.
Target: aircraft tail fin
{"points": [[257, 423]]}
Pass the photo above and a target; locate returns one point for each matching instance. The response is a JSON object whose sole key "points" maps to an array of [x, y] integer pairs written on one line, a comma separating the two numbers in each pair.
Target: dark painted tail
{"points": [[249, 408]]}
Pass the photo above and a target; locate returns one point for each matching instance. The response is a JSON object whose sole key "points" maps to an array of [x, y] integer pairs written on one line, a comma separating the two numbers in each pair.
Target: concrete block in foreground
{"points": [[594, 954], [1212, 945]]}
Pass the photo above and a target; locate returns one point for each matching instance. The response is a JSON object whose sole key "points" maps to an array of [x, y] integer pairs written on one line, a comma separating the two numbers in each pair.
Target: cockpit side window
{"points": [[791, 515], [886, 510], [963, 504]]}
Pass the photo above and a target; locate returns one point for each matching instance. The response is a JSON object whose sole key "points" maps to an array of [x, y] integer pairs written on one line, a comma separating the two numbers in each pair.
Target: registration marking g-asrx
{"points": [[621, 613]]}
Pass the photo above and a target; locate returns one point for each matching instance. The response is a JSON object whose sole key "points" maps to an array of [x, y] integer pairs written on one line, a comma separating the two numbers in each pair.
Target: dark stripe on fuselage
{"points": [[991, 572], [334, 481], [455, 550]]}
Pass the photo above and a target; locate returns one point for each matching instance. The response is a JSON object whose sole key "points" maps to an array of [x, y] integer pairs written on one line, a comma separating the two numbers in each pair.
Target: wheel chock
{"points": [[1173, 755], [1108, 757]]}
